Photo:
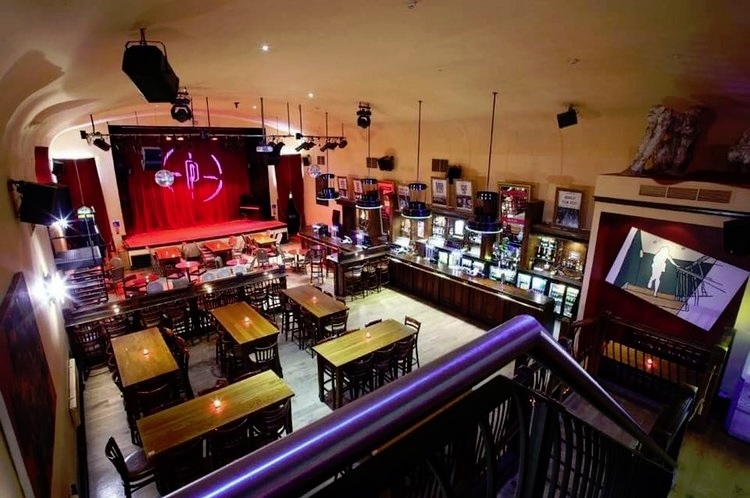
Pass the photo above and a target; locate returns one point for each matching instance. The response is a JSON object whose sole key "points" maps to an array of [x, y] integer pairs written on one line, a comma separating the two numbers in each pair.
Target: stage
{"points": [[142, 244]]}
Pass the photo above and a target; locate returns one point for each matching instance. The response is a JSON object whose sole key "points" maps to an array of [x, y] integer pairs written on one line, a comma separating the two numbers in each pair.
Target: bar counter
{"points": [[478, 298], [333, 245]]}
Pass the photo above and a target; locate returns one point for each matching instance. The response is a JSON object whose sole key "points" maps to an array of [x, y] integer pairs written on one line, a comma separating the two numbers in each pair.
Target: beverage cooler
{"points": [[566, 298]]}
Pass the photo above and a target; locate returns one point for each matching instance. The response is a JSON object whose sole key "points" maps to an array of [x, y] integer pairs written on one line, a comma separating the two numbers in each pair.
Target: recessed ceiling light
{"points": [[310, 95], [265, 47]]}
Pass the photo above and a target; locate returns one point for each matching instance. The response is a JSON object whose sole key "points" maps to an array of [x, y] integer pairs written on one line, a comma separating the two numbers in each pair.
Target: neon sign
{"points": [[192, 174]]}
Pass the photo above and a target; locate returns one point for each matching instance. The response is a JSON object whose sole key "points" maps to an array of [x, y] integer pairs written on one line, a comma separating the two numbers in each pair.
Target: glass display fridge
{"points": [[566, 298]]}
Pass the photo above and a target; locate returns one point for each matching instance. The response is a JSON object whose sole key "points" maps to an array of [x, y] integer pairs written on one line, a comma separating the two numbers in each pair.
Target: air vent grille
{"points": [[652, 191], [711, 195], [688, 194]]}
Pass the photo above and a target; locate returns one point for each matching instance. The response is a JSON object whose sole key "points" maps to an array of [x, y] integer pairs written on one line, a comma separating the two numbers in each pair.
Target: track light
{"points": [[307, 145], [101, 143], [181, 110], [328, 146], [343, 143], [363, 115], [277, 147]]}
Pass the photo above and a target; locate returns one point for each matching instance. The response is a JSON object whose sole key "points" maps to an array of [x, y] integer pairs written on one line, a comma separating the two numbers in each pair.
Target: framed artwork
{"points": [[464, 195], [342, 183], [514, 199], [27, 407], [403, 197], [357, 188], [439, 192], [682, 281], [568, 204]]}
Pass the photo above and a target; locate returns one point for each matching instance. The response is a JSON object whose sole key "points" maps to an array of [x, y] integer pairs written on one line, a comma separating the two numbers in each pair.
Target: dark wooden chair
{"points": [[134, 469], [151, 317], [384, 368], [353, 282], [184, 388], [89, 347], [358, 379], [272, 423], [416, 325], [404, 356], [334, 325], [230, 442], [264, 355], [154, 399], [180, 466]]}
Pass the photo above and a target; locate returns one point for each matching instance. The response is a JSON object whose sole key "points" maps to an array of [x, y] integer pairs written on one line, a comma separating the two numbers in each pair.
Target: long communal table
{"points": [[339, 352], [315, 302], [142, 356], [199, 416]]}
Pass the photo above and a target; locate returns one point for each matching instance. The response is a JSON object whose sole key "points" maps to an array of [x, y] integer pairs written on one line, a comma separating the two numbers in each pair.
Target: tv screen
{"points": [[152, 158]]}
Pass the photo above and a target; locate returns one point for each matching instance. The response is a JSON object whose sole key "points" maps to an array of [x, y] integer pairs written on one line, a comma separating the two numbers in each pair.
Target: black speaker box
{"points": [[454, 172], [567, 118], [152, 158], [58, 167], [44, 203], [736, 240], [149, 69], [385, 163]]}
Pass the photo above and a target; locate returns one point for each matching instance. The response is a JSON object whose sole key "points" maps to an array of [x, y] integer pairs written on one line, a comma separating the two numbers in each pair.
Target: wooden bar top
{"points": [[349, 347], [243, 322], [198, 416], [135, 366], [217, 246], [165, 253], [314, 301]]}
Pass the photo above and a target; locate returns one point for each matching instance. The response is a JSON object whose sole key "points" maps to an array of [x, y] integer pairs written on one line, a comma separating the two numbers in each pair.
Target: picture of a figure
{"points": [[568, 205], [658, 266], [692, 286], [440, 191], [464, 199]]}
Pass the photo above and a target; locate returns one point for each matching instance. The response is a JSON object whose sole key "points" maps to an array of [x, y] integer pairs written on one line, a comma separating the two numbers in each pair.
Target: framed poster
{"points": [[403, 197], [342, 184], [464, 195], [439, 192], [357, 188], [514, 198], [568, 204]]}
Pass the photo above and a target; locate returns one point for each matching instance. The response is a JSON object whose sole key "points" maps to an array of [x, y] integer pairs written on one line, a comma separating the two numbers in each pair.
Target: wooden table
{"points": [[244, 323], [167, 253], [263, 240], [217, 246], [318, 304], [197, 417], [135, 366], [345, 349]]}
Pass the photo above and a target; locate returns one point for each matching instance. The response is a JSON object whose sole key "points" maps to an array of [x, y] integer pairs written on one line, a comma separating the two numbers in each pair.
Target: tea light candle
{"points": [[367, 335], [116, 309], [649, 363], [247, 319], [217, 403], [145, 352]]}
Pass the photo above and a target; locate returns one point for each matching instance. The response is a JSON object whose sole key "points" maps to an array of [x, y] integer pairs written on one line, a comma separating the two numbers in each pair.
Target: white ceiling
{"points": [[61, 59]]}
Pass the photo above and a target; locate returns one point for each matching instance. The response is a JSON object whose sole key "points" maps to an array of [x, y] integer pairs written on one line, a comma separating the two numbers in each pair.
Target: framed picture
{"points": [[439, 192], [403, 197], [568, 205], [464, 195], [357, 188], [514, 199], [342, 184]]}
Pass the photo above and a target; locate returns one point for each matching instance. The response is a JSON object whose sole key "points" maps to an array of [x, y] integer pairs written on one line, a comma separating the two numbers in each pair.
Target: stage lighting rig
{"points": [[181, 108], [363, 115]]}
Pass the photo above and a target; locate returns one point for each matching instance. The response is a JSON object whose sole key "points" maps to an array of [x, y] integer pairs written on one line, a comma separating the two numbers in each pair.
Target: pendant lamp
{"points": [[417, 207], [370, 194], [487, 202], [327, 180]]}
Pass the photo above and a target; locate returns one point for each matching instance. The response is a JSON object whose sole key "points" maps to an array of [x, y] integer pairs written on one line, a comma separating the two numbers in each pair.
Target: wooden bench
{"points": [[647, 365]]}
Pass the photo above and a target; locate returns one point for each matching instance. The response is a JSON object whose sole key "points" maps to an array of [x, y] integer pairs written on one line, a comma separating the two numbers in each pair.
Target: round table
{"points": [[188, 266]]}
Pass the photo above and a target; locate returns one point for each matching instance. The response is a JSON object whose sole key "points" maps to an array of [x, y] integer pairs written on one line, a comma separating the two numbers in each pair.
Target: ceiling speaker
{"points": [[567, 118]]}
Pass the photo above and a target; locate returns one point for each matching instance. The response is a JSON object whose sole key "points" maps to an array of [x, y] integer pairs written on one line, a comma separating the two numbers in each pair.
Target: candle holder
{"points": [[146, 352], [217, 403]]}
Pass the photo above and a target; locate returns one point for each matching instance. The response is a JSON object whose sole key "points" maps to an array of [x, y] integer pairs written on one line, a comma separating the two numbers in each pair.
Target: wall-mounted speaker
{"points": [[306, 161], [149, 69], [453, 173], [58, 167], [386, 163], [736, 241], [44, 203], [153, 159], [567, 118]]}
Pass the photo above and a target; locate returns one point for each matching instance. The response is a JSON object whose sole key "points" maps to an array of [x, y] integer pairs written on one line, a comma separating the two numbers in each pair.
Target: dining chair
{"points": [[135, 470], [184, 388], [180, 465], [262, 258], [404, 356], [370, 279], [289, 317], [357, 378], [271, 423], [384, 365], [229, 442], [353, 282], [114, 279], [150, 317], [416, 325], [89, 347], [264, 355], [156, 287], [156, 399], [334, 325]]}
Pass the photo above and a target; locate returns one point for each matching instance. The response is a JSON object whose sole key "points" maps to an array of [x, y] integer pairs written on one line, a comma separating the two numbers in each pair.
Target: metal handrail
{"points": [[301, 461]]}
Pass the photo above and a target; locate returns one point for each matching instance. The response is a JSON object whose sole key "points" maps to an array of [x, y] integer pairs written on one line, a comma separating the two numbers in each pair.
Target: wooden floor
{"points": [[711, 464]]}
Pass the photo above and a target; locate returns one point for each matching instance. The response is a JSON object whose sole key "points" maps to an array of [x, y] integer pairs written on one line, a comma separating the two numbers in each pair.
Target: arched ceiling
{"points": [[62, 59]]}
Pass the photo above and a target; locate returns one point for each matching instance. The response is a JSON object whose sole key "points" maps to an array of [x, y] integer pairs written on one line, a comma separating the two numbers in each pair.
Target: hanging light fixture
{"points": [[417, 208], [370, 195], [487, 202], [327, 180]]}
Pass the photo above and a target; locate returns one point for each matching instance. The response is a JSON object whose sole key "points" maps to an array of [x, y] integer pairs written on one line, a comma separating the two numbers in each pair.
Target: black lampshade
{"points": [[370, 195], [327, 192], [485, 219], [417, 209]]}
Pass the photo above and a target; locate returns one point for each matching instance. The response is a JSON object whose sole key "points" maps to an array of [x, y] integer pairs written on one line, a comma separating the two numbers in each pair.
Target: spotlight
{"points": [[277, 147], [300, 147], [567, 118], [101, 143], [308, 145], [181, 110], [328, 146], [363, 115], [343, 143]]}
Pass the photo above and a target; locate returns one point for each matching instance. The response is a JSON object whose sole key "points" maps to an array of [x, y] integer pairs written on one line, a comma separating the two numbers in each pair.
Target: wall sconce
{"points": [[54, 288]]}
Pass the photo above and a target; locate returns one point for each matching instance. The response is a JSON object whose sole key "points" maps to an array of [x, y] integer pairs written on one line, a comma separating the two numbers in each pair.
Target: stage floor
{"points": [[199, 233]]}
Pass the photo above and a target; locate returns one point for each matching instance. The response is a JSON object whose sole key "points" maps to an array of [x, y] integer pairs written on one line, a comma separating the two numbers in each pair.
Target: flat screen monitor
{"points": [[466, 262], [458, 228], [496, 273], [443, 257]]}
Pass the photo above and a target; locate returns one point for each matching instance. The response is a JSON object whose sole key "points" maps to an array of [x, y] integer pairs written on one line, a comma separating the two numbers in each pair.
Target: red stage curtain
{"points": [[289, 178], [209, 181], [89, 193], [41, 165]]}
